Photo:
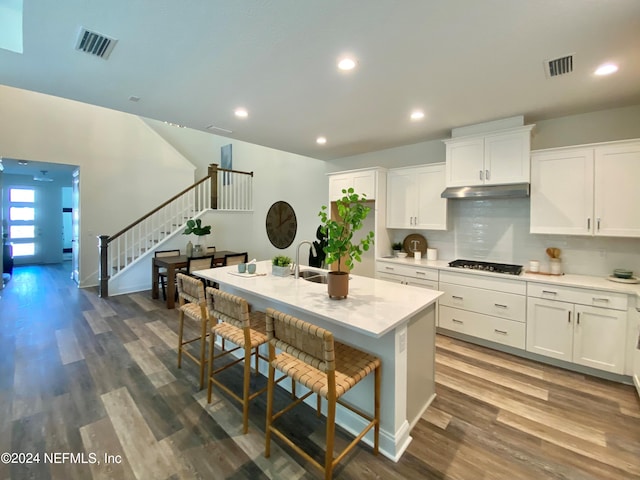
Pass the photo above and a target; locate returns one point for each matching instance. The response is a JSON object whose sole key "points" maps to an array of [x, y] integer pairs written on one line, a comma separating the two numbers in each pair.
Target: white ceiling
{"points": [[461, 61]]}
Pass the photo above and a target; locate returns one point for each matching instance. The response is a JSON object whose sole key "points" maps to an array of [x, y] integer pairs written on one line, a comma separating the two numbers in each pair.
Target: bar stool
{"points": [[193, 304], [309, 355], [242, 328]]}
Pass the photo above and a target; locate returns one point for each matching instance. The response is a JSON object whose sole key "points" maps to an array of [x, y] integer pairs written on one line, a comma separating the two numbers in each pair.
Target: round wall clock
{"points": [[281, 224]]}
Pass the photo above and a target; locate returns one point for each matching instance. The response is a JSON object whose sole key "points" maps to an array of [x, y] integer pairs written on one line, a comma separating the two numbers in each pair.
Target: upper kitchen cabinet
{"points": [[413, 197], [494, 158], [362, 181], [586, 190]]}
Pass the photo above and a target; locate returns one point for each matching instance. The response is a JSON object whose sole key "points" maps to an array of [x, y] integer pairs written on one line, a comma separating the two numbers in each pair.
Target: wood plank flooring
{"points": [[87, 376]]}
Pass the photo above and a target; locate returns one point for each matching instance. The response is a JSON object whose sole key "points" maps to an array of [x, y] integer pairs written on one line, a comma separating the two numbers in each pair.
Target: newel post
{"points": [[213, 175], [103, 269]]}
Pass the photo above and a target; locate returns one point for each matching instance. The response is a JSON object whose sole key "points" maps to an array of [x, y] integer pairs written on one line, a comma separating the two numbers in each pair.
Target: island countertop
{"points": [[373, 307]]}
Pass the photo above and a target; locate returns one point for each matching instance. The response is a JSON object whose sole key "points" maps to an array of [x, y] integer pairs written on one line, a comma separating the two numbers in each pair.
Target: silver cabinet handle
{"points": [[550, 292], [501, 332], [588, 223], [569, 317], [456, 297], [500, 306], [600, 299], [486, 175], [420, 273], [389, 268], [481, 175], [598, 223], [578, 318], [457, 321]]}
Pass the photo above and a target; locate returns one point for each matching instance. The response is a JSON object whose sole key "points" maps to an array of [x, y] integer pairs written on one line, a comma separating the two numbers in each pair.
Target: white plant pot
{"points": [[280, 271]]}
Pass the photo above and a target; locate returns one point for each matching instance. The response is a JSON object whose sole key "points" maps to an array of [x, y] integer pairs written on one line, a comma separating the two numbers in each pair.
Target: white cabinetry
{"points": [[407, 275], [490, 159], [413, 198], [586, 190], [587, 327], [491, 308], [362, 181]]}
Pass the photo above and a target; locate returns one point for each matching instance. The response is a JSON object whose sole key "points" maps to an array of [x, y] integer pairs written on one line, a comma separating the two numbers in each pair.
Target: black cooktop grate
{"points": [[487, 266]]}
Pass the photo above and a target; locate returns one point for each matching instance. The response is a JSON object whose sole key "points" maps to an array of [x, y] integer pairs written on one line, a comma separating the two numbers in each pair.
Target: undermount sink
{"points": [[315, 277]]}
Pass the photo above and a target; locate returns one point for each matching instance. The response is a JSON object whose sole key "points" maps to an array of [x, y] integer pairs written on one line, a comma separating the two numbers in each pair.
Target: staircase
{"points": [[221, 189]]}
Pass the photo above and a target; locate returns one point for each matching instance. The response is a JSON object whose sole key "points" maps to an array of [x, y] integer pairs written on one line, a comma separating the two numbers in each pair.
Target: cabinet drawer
{"points": [[408, 271], [487, 327], [497, 304], [595, 298], [416, 282], [490, 281]]}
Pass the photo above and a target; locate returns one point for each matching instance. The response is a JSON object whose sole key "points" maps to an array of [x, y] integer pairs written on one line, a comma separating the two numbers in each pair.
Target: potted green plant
{"points": [[397, 248], [281, 265], [196, 227], [341, 247]]}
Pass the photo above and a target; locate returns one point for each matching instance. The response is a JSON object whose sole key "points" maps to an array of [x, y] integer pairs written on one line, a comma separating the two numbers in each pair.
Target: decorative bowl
{"points": [[622, 273], [402, 254]]}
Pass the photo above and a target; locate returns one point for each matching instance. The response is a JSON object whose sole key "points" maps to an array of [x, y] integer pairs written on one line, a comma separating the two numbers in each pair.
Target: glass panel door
{"points": [[22, 224]]}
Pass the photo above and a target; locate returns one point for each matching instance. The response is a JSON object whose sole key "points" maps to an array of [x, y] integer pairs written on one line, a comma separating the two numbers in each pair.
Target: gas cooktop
{"points": [[487, 266]]}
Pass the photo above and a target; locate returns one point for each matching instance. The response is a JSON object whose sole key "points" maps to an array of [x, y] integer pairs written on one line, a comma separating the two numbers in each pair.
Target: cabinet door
{"points": [[431, 208], [465, 162], [562, 192], [506, 158], [617, 193], [599, 338], [550, 328], [400, 205], [365, 183], [336, 184]]}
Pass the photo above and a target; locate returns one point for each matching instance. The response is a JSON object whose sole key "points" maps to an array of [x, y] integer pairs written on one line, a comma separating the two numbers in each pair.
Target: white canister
{"points": [[417, 256], [432, 254], [556, 266], [534, 266]]}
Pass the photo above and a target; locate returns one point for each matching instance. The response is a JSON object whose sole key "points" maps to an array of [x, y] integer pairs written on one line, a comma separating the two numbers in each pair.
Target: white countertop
{"points": [[569, 280], [373, 307]]}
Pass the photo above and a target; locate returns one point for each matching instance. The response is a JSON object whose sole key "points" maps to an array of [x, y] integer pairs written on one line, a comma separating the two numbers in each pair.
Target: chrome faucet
{"points": [[296, 268]]}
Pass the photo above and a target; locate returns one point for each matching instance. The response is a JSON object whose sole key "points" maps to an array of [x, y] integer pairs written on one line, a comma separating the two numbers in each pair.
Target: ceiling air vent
{"points": [[95, 43], [559, 66]]}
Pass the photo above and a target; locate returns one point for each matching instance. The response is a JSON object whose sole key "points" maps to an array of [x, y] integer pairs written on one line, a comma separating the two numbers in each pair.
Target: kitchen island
{"points": [[394, 322]]}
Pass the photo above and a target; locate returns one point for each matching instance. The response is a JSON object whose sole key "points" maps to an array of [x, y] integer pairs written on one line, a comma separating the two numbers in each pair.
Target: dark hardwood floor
{"points": [[83, 377]]}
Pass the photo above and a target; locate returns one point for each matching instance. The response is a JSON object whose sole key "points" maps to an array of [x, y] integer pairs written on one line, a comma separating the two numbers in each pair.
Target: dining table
{"points": [[173, 264]]}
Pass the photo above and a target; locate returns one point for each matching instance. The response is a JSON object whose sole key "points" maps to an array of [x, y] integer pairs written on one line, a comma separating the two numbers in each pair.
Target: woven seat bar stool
{"points": [[245, 329], [309, 355], [193, 304]]}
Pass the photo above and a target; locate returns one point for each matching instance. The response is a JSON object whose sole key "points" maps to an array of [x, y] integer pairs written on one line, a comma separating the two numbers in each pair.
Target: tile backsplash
{"points": [[497, 230]]}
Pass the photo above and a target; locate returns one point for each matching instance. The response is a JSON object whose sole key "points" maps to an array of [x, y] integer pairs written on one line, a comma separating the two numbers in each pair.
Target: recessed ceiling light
{"points": [[606, 69], [22, 162], [241, 112], [321, 140], [417, 115], [347, 63]]}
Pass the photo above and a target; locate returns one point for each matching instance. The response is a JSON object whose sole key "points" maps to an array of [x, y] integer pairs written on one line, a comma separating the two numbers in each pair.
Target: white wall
{"points": [[125, 168], [278, 175], [498, 230]]}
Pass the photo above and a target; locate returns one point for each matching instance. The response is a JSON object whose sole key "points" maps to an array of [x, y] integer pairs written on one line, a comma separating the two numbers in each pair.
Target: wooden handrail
{"points": [[113, 237]]}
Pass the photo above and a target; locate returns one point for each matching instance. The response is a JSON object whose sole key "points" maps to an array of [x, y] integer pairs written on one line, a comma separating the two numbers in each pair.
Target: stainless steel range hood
{"points": [[513, 190]]}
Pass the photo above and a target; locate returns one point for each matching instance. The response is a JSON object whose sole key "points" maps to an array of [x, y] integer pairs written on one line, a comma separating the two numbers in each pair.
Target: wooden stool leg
{"points": [[203, 350], [319, 406], [212, 339], [245, 389], [180, 331], [270, 386], [331, 429], [376, 428]]}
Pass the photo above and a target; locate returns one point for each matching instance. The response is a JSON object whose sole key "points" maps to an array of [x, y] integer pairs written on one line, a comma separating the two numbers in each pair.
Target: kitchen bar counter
{"points": [[394, 322]]}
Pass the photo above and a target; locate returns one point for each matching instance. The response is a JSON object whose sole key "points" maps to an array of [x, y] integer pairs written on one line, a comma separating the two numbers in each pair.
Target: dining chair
{"points": [[199, 263], [192, 304], [209, 250], [162, 272], [242, 328], [309, 354], [235, 258]]}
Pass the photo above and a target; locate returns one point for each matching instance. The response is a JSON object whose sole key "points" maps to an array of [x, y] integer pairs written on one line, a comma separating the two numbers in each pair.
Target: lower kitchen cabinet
{"points": [[491, 308], [407, 275], [587, 335]]}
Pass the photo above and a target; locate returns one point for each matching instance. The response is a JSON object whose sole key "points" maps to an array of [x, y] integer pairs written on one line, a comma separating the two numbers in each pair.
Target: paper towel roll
{"points": [[432, 253]]}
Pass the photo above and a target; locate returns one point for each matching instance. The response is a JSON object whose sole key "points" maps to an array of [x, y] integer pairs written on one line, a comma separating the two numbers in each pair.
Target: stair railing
{"points": [[221, 189]]}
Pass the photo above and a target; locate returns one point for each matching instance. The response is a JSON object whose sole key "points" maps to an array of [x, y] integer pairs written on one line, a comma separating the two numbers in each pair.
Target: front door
{"points": [[24, 204], [75, 227]]}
